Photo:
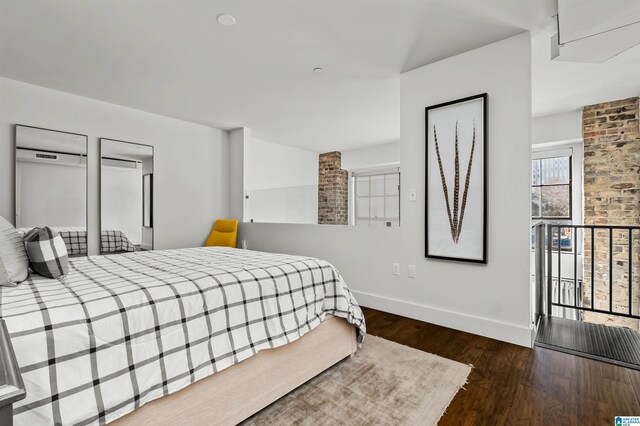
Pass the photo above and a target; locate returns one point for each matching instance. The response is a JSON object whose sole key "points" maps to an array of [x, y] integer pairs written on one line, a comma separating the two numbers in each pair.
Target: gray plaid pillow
{"points": [[47, 252]]}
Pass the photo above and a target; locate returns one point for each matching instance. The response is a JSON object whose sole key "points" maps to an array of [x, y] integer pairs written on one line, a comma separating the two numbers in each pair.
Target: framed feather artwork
{"points": [[456, 180]]}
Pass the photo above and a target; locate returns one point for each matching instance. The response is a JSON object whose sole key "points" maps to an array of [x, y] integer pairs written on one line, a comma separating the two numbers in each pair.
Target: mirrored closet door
{"points": [[126, 201], [51, 184]]}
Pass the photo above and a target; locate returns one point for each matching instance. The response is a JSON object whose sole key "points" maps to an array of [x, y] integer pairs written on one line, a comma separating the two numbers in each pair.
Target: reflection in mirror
{"points": [[285, 184], [126, 203], [51, 184]]}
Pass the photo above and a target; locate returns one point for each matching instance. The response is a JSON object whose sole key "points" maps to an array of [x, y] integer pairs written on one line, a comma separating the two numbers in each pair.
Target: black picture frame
{"points": [[430, 253]]}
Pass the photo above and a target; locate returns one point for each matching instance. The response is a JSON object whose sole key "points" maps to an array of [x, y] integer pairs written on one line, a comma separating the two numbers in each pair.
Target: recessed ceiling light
{"points": [[226, 20], [318, 70]]}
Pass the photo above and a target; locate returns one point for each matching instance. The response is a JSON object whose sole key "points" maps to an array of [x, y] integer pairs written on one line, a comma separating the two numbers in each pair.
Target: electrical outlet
{"points": [[411, 271], [395, 270]]}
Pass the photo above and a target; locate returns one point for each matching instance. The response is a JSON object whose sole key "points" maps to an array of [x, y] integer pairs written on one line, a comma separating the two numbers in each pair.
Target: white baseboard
{"points": [[481, 326]]}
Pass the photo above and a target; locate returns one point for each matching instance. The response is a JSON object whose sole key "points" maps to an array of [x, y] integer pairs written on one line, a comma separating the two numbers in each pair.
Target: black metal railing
{"points": [[538, 236], [564, 294], [555, 251]]}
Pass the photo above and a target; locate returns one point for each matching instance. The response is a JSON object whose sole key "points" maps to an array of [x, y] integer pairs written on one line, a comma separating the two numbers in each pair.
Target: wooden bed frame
{"points": [[236, 393]]}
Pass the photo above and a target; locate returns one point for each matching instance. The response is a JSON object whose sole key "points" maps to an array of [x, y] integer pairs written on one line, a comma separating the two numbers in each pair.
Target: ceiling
{"points": [[560, 86], [171, 57]]}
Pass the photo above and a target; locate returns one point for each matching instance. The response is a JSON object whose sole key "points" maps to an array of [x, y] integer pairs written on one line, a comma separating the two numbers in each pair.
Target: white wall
{"points": [[191, 160], [563, 127], [281, 182], [271, 165], [297, 204], [237, 140], [51, 194], [491, 300], [121, 201], [387, 154]]}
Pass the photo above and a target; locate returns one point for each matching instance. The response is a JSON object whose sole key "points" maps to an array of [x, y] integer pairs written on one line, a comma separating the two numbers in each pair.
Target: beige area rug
{"points": [[383, 384]]}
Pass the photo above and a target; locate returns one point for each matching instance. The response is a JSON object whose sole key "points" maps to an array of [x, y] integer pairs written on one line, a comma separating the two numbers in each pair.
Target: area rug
{"points": [[383, 384]]}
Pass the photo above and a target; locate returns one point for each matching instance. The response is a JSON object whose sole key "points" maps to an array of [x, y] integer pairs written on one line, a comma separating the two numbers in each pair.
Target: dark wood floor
{"points": [[513, 385]]}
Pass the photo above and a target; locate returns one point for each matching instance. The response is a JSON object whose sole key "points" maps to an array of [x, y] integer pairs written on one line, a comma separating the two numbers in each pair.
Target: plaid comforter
{"points": [[122, 330], [114, 242], [75, 239]]}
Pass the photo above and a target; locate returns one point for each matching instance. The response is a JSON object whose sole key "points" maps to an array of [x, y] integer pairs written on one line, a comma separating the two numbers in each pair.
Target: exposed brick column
{"points": [[612, 197], [333, 190]]}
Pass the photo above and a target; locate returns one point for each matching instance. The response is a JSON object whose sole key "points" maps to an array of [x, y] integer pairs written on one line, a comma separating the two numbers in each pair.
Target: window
{"points": [[551, 188], [551, 196], [376, 198]]}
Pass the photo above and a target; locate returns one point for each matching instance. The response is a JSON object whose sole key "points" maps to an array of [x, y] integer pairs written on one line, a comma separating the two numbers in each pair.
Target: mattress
{"points": [[75, 239], [122, 330]]}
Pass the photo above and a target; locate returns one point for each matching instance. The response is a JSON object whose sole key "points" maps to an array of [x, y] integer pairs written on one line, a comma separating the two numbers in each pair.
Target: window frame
{"points": [[541, 185], [383, 172]]}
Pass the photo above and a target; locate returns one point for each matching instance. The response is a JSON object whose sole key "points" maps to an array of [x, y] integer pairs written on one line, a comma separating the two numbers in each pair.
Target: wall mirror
{"points": [[126, 200], [359, 187], [51, 184]]}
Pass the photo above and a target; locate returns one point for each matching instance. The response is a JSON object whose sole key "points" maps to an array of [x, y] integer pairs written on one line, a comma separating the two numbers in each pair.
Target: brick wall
{"points": [[612, 197], [333, 190]]}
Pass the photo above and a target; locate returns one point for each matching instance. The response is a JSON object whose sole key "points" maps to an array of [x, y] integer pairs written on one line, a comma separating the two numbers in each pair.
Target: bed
{"points": [[75, 239], [126, 330]]}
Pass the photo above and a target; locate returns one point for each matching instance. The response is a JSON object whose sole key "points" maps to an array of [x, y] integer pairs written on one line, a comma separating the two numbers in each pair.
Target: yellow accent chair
{"points": [[223, 234]]}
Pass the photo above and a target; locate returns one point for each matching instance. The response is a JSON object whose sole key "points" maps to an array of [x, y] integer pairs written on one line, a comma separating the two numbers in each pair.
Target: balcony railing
{"points": [[606, 270]]}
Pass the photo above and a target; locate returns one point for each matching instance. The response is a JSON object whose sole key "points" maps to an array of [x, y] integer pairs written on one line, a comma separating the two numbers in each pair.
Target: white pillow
{"points": [[14, 262]]}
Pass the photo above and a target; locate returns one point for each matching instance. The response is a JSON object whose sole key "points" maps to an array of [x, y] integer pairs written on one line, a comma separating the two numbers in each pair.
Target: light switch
{"points": [[413, 195]]}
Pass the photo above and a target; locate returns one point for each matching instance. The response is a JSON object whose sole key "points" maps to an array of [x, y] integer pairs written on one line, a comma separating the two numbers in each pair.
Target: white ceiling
{"points": [[171, 57], [560, 86]]}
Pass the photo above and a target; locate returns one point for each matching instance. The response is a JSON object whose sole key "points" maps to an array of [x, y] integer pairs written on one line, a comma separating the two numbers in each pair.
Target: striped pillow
{"points": [[14, 263], [47, 252]]}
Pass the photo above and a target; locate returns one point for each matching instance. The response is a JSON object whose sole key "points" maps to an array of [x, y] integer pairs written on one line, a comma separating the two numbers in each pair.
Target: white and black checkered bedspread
{"points": [[125, 329], [75, 239]]}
